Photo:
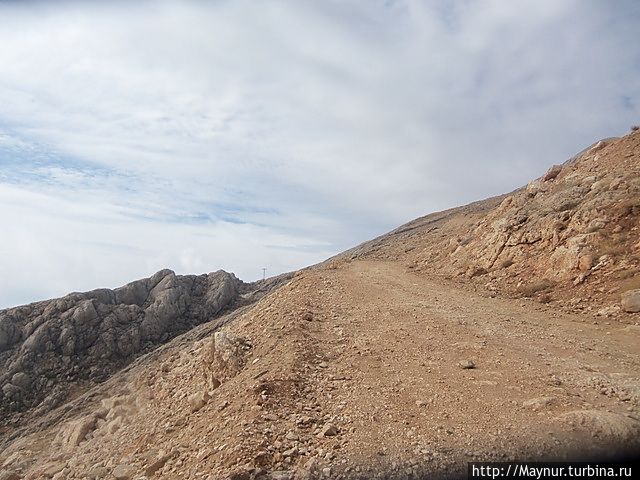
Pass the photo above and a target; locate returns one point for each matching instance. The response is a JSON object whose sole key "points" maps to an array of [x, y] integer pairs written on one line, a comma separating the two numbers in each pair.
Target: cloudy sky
{"points": [[238, 134]]}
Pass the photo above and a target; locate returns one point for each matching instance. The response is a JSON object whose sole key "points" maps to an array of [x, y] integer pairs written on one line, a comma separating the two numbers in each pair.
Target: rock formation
{"points": [[571, 236], [81, 339]]}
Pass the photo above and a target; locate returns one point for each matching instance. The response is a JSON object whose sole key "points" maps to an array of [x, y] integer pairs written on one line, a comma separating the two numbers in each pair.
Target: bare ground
{"points": [[375, 351]]}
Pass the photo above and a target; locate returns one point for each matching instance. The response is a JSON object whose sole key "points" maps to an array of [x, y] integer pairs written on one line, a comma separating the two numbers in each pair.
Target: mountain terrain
{"points": [[504, 329]]}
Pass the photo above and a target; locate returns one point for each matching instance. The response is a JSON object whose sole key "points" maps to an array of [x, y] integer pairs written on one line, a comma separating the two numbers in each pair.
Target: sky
{"points": [[194, 135]]}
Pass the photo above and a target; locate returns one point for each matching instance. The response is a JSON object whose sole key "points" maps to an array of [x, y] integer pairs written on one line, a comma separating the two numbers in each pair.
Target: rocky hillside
{"points": [[504, 329], [51, 349], [571, 237]]}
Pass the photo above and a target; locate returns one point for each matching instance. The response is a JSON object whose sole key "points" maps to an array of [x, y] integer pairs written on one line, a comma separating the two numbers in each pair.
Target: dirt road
{"points": [[544, 383]]}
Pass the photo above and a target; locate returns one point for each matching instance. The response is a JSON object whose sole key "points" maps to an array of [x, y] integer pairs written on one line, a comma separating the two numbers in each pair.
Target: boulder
{"points": [[225, 357], [552, 173], [631, 301], [9, 334]]}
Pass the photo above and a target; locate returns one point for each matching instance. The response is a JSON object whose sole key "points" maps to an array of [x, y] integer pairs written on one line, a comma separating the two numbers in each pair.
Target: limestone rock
{"points": [[329, 430], [198, 400], [585, 262], [552, 173], [86, 337], [609, 311], [631, 301], [467, 364], [124, 472], [224, 357], [75, 432]]}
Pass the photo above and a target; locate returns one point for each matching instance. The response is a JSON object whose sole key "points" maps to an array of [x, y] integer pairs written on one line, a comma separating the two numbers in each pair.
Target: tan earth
{"points": [[406, 357]]}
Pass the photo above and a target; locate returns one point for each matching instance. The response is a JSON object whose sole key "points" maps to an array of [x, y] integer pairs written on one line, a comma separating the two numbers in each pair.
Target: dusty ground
{"points": [[374, 350]]}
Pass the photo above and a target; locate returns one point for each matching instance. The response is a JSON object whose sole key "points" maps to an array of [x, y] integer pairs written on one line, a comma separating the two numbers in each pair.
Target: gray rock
{"points": [[631, 301], [9, 334], [466, 364], [88, 336]]}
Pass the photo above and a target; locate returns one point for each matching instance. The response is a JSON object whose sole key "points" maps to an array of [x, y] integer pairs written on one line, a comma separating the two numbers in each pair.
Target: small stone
{"points": [[466, 364], [609, 311], [281, 475], [124, 472], [290, 453], [52, 468], [329, 430], [538, 403]]}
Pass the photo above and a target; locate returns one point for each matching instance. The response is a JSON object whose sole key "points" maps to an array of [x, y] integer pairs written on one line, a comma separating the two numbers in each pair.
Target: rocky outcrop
{"points": [[578, 224], [80, 339], [570, 236]]}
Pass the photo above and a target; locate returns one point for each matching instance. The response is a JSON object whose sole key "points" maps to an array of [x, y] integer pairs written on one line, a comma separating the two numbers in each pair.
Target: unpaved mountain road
{"points": [[544, 384]]}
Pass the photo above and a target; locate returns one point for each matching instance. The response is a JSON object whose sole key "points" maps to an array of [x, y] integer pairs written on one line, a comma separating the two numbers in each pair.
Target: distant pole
{"points": [[264, 273]]}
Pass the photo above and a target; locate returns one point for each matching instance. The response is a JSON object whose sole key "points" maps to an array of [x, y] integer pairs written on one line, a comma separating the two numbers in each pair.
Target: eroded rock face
{"points": [[85, 337], [574, 225]]}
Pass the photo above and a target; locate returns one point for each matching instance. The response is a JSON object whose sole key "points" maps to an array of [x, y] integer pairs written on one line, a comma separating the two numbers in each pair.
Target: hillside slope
{"points": [[571, 236], [407, 356], [58, 348]]}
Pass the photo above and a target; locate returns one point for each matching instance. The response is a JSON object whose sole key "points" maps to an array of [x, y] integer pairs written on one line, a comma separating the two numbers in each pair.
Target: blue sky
{"points": [[195, 135]]}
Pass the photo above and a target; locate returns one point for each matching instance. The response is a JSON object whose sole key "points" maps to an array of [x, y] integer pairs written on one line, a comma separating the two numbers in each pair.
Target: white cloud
{"points": [[317, 124]]}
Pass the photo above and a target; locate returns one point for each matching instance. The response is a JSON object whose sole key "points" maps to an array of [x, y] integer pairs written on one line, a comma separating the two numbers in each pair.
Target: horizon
{"points": [[233, 136]]}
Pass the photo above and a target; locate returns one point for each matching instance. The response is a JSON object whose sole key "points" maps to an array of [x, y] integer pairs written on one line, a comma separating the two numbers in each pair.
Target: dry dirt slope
{"points": [[571, 237], [358, 368]]}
